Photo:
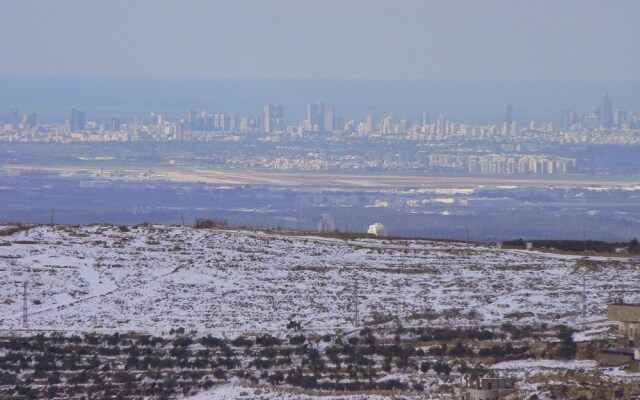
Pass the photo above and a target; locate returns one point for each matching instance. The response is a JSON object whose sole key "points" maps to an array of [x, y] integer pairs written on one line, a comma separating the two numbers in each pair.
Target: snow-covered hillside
{"points": [[151, 279]]}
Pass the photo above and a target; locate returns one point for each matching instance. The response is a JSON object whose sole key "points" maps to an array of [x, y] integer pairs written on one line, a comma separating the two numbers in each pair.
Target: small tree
{"points": [[567, 347], [441, 367], [295, 325], [425, 366]]}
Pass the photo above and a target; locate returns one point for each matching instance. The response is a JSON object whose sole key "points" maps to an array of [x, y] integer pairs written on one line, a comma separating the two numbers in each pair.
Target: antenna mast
{"points": [[25, 310], [356, 302], [584, 300]]}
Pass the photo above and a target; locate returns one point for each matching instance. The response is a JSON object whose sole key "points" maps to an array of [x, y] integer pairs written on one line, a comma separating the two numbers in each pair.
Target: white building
{"points": [[377, 229]]}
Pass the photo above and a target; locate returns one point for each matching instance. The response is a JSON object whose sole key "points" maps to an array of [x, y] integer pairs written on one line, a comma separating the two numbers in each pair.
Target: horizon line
{"points": [[237, 78]]}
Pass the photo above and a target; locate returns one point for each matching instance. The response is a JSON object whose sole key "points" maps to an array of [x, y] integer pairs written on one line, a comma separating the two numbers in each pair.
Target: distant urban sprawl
{"points": [[325, 140]]}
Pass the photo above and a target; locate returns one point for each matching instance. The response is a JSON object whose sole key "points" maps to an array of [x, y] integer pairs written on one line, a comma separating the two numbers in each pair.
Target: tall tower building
{"points": [[77, 120], [72, 120], [14, 119], [223, 122], [508, 114], [81, 120], [564, 120], [370, 124], [425, 118], [267, 125], [607, 111], [440, 125], [233, 122], [191, 120], [315, 117], [329, 119], [273, 118], [153, 119]]}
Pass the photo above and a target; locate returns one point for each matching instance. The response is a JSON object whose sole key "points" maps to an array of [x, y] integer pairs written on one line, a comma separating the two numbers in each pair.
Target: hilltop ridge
{"points": [[149, 278]]}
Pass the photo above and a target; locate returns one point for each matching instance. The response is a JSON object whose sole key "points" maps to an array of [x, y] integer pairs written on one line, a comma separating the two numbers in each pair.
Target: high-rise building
{"points": [[339, 123], [273, 118], [191, 120], [14, 119], [564, 119], [508, 114], [329, 119], [266, 116], [233, 122], [29, 120], [387, 124], [77, 120], [222, 122], [370, 124], [114, 124], [72, 120], [440, 125], [315, 117], [425, 118], [607, 111], [153, 119], [619, 116], [81, 120]]}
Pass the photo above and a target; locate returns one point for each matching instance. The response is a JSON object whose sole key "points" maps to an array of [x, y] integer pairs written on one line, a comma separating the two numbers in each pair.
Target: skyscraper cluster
{"points": [[320, 118], [209, 122]]}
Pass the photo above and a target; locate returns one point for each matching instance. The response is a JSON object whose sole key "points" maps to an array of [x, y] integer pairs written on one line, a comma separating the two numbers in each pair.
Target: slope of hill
{"points": [[154, 278]]}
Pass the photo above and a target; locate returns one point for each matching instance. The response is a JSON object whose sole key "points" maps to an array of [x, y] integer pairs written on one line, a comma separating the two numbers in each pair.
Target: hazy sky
{"points": [[540, 39]]}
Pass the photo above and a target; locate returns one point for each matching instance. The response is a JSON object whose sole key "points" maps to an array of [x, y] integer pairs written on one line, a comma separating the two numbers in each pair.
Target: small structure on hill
{"points": [[377, 229], [488, 388], [628, 318], [627, 353]]}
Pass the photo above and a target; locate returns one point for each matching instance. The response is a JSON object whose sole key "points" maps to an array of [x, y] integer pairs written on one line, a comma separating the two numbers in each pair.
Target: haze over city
{"points": [[513, 40]]}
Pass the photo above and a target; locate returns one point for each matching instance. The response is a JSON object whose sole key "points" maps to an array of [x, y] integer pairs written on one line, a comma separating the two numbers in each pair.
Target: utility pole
{"points": [[182, 215], [52, 210], [25, 311], [356, 303], [584, 299]]}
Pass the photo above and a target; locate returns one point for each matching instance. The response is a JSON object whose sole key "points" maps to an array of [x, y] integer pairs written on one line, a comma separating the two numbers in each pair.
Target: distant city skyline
{"points": [[321, 117], [493, 39], [477, 102]]}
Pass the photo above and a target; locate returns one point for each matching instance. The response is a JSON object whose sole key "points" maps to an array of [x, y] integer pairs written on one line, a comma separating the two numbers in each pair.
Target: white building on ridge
{"points": [[377, 229]]}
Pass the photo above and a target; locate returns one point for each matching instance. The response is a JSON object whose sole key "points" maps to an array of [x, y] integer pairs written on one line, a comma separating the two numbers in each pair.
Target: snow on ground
{"points": [[545, 364], [236, 391], [597, 331], [620, 372], [153, 278]]}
